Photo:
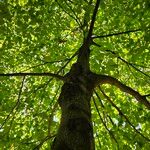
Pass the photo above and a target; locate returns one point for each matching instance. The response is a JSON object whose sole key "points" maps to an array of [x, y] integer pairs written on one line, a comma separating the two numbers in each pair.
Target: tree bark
{"points": [[76, 130]]}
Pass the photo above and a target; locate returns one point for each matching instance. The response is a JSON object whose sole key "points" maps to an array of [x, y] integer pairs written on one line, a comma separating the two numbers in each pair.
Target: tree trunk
{"points": [[76, 130]]}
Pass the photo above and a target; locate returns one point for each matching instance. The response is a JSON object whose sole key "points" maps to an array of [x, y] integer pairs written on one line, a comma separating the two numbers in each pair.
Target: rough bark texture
{"points": [[76, 131]]}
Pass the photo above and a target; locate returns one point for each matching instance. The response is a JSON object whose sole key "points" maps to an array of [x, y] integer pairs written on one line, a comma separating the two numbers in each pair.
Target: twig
{"points": [[16, 105], [128, 63], [102, 105], [132, 65], [110, 133], [73, 13], [78, 22], [46, 62], [42, 141], [75, 54]]}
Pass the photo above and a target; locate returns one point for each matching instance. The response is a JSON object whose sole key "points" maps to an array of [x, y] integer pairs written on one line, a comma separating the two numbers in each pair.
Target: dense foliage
{"points": [[41, 36]]}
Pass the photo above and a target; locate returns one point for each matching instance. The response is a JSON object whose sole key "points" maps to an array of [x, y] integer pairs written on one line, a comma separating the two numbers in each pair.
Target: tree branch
{"points": [[93, 19], [128, 63], [74, 13], [16, 105], [122, 114], [123, 60], [75, 18], [32, 74], [37, 147], [114, 34], [103, 107], [104, 79], [84, 50], [44, 63], [103, 122]]}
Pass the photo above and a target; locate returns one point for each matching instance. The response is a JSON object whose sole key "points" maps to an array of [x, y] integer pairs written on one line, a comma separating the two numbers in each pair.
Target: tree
{"points": [[84, 63]]}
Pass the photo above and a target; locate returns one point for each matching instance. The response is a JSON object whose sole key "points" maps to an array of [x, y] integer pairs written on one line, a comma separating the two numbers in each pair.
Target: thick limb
{"points": [[104, 79]]}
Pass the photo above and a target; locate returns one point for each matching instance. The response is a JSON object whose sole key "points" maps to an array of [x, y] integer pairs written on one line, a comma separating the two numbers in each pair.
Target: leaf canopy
{"points": [[41, 36]]}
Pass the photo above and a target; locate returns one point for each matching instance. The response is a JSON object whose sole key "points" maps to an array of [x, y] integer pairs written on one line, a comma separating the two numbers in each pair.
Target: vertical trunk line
{"points": [[76, 130]]}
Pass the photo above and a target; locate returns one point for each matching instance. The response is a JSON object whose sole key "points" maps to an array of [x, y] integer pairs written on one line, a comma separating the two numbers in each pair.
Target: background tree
{"points": [[40, 42]]}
